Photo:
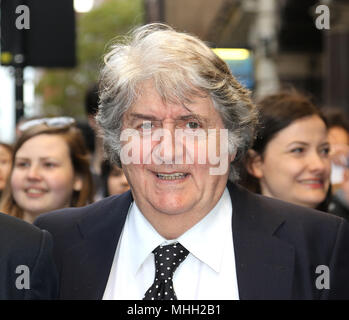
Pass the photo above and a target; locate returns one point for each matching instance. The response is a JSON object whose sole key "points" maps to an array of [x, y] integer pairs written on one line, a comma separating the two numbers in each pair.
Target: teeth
{"points": [[36, 191], [312, 181], [172, 176]]}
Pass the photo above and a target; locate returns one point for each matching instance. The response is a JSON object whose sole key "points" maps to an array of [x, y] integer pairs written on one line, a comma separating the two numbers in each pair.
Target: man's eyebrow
{"points": [[190, 116], [154, 118], [143, 116], [193, 116]]}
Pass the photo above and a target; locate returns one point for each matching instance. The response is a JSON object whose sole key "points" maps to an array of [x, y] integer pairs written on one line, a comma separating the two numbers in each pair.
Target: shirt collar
{"points": [[144, 237], [205, 240]]}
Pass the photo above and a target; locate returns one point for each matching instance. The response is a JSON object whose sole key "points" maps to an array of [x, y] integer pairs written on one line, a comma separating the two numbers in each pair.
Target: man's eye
{"points": [[146, 125], [192, 125]]}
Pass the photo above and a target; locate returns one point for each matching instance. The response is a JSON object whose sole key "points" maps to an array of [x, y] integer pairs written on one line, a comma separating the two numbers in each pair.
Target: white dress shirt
{"points": [[208, 272]]}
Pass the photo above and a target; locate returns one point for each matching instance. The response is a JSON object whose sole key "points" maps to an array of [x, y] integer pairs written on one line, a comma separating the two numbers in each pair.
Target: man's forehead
{"points": [[151, 103], [155, 112]]}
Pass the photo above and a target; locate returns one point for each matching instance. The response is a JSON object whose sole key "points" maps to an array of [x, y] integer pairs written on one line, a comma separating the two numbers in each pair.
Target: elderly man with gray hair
{"points": [[176, 120]]}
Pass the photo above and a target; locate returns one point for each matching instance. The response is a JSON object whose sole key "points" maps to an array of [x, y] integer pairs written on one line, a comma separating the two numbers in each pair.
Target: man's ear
{"points": [[254, 164], [232, 156], [77, 183]]}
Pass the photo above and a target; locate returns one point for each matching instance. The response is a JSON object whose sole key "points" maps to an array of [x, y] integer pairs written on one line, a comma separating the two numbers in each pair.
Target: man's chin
{"points": [[172, 209]]}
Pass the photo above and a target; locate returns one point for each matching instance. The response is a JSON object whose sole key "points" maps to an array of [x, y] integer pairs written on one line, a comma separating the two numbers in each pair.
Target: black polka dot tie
{"points": [[167, 259]]}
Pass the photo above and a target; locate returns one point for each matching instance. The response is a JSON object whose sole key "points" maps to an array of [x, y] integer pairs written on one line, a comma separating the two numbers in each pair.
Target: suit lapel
{"points": [[264, 263], [86, 266]]}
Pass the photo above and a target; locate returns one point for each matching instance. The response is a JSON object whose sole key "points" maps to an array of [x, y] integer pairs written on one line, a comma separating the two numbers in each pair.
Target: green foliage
{"points": [[63, 90]]}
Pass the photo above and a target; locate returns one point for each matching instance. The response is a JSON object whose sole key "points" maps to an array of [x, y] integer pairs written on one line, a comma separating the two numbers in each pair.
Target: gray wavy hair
{"points": [[181, 66]]}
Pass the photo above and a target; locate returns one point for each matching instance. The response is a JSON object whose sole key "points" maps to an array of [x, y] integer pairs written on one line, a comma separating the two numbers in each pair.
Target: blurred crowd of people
{"points": [[300, 155], [56, 163]]}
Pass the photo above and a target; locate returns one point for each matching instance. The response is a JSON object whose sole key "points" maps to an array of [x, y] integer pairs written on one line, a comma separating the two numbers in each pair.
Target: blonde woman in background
{"points": [[50, 170]]}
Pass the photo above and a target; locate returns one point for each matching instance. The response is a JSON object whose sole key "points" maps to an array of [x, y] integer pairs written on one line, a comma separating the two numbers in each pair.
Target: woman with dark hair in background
{"points": [[113, 179], [50, 170], [289, 159]]}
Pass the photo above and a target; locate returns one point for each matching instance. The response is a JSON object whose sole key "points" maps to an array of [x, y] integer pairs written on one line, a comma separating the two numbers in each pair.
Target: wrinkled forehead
{"points": [[172, 87], [151, 99], [176, 92]]}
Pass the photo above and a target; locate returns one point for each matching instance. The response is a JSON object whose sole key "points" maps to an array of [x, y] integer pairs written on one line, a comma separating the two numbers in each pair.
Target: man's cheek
{"points": [[218, 151], [131, 152]]}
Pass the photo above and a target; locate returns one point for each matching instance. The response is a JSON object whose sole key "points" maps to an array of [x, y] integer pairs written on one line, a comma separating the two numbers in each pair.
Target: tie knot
{"points": [[167, 259]]}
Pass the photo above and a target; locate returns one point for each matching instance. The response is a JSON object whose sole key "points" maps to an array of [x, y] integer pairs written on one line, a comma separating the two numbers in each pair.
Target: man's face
{"points": [[174, 187]]}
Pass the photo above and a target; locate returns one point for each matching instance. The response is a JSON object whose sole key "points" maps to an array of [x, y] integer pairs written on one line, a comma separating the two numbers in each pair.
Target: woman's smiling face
{"points": [[295, 166], [43, 176]]}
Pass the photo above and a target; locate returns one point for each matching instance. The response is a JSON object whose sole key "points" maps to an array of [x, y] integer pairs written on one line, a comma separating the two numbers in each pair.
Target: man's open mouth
{"points": [[172, 176]]}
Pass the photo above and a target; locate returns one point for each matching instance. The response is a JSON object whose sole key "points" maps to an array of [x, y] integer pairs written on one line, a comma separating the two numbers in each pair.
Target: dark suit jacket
{"points": [[278, 247], [22, 244]]}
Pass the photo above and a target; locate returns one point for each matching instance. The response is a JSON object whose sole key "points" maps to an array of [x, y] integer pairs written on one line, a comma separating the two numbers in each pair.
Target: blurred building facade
{"points": [[289, 49]]}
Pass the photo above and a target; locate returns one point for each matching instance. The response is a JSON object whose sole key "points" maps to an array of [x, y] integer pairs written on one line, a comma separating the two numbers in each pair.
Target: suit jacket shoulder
{"points": [[85, 241], [27, 269], [286, 246], [278, 247], [76, 223]]}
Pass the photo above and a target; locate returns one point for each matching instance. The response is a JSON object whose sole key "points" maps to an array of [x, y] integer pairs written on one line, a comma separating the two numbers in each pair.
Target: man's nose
{"points": [[167, 144]]}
